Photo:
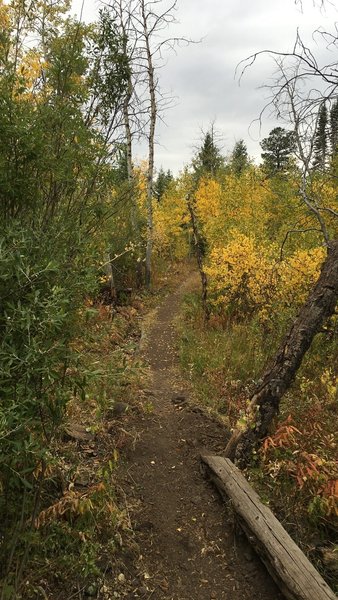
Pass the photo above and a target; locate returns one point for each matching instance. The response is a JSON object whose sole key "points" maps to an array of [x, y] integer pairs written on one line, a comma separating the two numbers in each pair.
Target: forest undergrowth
{"points": [[88, 233], [295, 470], [82, 527]]}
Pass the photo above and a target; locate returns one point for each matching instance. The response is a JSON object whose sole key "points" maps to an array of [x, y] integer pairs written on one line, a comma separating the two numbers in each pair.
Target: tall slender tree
{"points": [[207, 162], [321, 139], [334, 128], [239, 159], [142, 23], [208, 159]]}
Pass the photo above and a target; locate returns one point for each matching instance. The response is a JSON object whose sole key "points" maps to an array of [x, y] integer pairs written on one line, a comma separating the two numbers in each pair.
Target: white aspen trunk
{"points": [[129, 151], [126, 105], [151, 140]]}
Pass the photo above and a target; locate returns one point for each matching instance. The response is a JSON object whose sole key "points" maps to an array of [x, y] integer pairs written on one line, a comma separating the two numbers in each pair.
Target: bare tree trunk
{"points": [[146, 20], [199, 256], [130, 170], [129, 152], [151, 141], [264, 403]]}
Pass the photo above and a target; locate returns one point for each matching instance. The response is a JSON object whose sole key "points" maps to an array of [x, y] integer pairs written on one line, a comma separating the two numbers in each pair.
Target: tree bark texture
{"points": [[264, 403], [294, 574], [151, 141], [131, 181], [125, 19]]}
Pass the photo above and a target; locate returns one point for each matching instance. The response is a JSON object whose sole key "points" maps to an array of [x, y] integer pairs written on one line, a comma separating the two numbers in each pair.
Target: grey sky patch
{"points": [[201, 75]]}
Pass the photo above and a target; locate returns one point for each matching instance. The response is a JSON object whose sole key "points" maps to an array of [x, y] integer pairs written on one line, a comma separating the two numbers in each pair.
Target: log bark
{"points": [[294, 574], [265, 401]]}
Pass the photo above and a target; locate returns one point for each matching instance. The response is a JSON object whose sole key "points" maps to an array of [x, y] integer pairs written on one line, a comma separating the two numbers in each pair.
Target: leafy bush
{"points": [[40, 293]]}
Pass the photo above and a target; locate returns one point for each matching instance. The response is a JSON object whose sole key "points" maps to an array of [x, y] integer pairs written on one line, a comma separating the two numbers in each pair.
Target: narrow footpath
{"points": [[185, 532]]}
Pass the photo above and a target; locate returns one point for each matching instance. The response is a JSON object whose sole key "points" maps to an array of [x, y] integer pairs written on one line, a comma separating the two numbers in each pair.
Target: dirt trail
{"points": [[185, 532]]}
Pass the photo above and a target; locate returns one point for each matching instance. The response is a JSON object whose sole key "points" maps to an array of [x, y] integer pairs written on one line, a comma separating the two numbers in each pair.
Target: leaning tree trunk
{"points": [[264, 403], [199, 257]]}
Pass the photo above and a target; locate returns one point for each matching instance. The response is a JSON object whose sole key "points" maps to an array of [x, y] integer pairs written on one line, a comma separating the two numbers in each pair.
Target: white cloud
{"points": [[202, 75]]}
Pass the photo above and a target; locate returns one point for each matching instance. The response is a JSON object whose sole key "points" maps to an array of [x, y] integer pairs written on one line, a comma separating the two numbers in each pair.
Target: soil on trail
{"points": [[185, 533]]}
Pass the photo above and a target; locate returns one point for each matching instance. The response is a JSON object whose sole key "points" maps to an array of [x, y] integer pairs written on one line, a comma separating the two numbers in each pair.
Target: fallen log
{"points": [[294, 574]]}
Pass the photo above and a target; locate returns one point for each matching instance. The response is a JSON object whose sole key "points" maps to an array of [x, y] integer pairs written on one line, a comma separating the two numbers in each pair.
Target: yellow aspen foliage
{"points": [[325, 193], [141, 186], [246, 203], [171, 223], [298, 274], [30, 72], [4, 16], [245, 278], [209, 199], [234, 202], [241, 275]]}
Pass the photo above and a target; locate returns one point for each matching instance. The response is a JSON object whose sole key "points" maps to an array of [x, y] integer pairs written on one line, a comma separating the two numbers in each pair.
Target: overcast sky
{"points": [[202, 76]]}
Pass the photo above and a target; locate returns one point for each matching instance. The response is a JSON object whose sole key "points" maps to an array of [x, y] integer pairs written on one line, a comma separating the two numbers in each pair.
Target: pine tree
{"points": [[334, 128], [208, 159], [164, 178], [278, 148], [239, 157], [321, 140]]}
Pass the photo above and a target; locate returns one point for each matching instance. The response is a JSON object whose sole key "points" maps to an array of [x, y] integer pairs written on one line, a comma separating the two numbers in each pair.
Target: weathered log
{"points": [[294, 574], [279, 375]]}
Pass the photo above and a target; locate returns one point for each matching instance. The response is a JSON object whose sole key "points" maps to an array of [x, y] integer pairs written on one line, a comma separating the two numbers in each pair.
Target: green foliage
{"points": [[162, 183], [111, 67], [239, 159], [278, 148], [55, 207], [321, 140], [40, 295], [208, 159], [221, 359], [334, 128]]}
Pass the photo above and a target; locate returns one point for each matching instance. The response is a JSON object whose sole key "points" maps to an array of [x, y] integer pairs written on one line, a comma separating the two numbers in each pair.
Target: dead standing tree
{"points": [[122, 14], [297, 103], [149, 23], [150, 19], [140, 24]]}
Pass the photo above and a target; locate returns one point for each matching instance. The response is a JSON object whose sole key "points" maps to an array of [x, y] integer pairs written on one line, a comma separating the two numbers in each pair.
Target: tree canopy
{"points": [[278, 149]]}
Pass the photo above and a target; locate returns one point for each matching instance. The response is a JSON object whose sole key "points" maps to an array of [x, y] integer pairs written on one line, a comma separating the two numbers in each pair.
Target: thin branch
{"points": [[288, 233]]}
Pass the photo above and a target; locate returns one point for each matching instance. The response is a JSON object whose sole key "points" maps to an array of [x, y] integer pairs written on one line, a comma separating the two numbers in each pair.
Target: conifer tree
{"points": [[278, 148], [164, 178], [334, 128], [208, 159], [239, 157], [321, 140]]}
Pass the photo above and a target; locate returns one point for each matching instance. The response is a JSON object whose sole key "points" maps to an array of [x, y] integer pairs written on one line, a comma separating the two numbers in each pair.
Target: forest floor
{"points": [[188, 546]]}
